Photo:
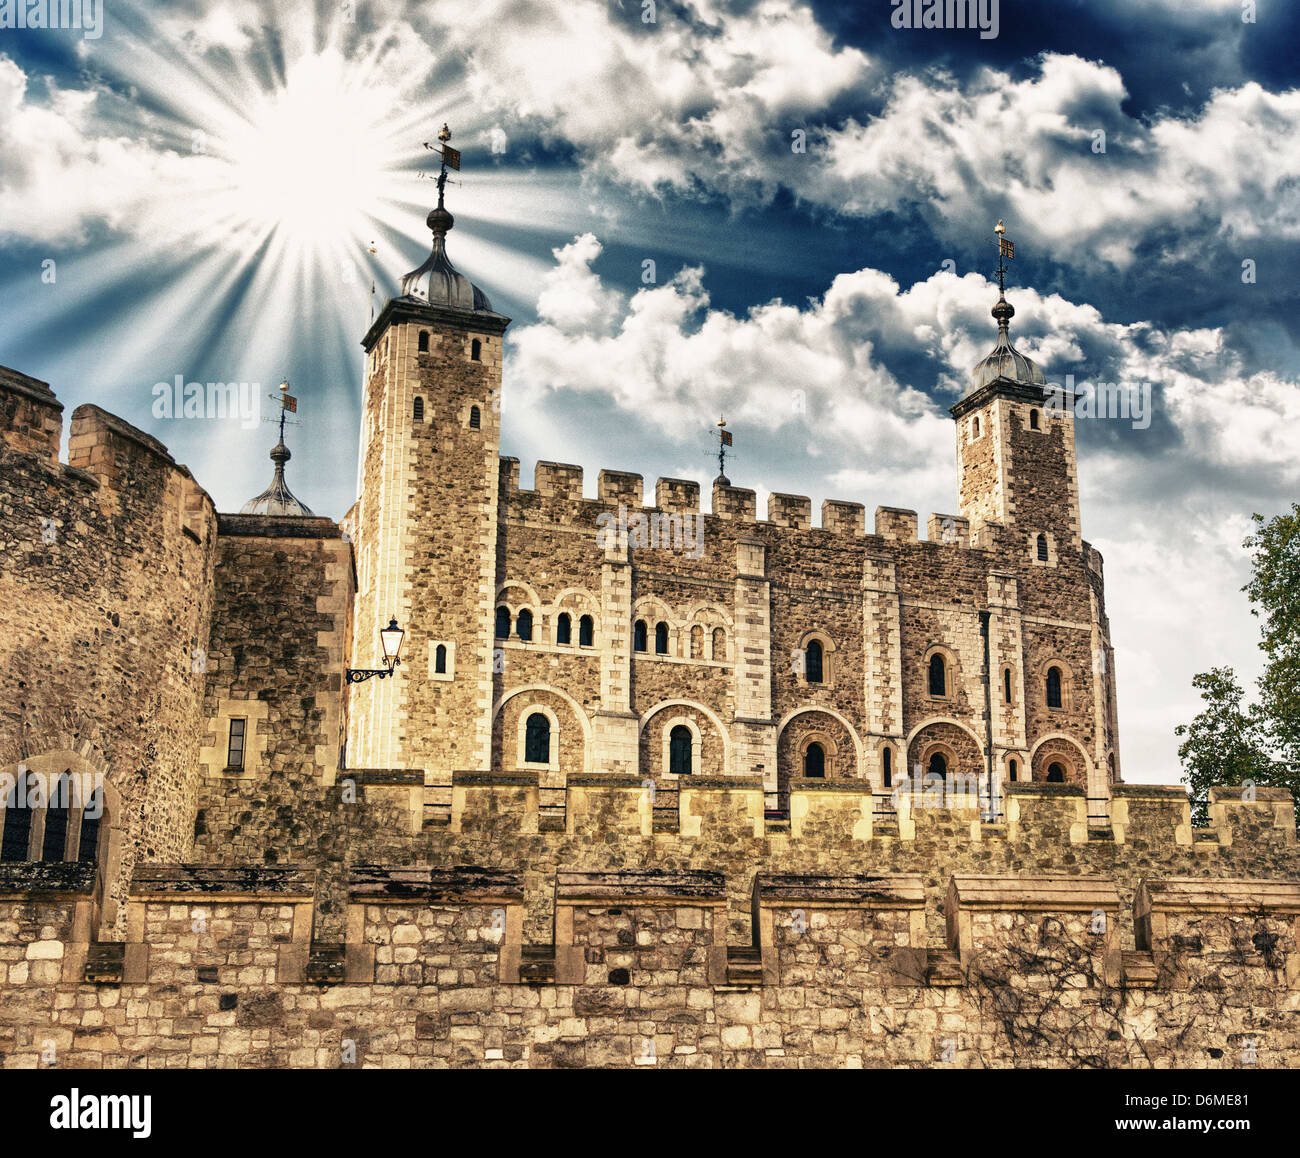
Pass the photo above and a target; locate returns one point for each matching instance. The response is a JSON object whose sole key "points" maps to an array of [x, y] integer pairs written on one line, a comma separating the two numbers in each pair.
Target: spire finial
{"points": [[277, 499], [1003, 311]]}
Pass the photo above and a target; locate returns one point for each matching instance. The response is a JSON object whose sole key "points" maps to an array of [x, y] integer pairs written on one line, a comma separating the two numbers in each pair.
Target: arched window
{"points": [[1042, 548], [91, 813], [1006, 684], [562, 629], [679, 750], [887, 769], [422, 343], [975, 427], [1056, 774], [417, 411], [475, 351], [1033, 420], [1013, 769], [440, 659], [55, 845], [719, 643], [814, 760], [697, 642], [639, 635], [17, 822], [537, 739], [586, 631], [812, 661], [524, 624], [661, 638], [1053, 687], [475, 418], [939, 766], [503, 623], [938, 676]]}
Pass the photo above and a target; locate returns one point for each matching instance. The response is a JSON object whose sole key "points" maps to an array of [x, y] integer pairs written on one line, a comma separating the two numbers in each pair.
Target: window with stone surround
{"points": [[586, 631], [440, 659], [476, 351], [539, 738], [475, 418], [938, 766], [887, 767], [422, 342], [417, 411], [719, 643], [1033, 420], [815, 653], [503, 623], [1006, 685], [524, 625], [563, 629], [661, 638], [639, 636], [1055, 774], [51, 818], [1042, 548]]}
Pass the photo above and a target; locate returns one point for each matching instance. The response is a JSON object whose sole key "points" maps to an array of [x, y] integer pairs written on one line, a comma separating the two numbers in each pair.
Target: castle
{"points": [[646, 785]]}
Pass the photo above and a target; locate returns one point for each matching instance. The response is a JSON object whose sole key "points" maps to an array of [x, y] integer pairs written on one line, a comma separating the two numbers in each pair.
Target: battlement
{"points": [[218, 969], [564, 482]]}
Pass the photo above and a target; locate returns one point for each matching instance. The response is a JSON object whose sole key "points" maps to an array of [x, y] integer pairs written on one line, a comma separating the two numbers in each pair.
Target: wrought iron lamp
{"points": [[391, 639]]}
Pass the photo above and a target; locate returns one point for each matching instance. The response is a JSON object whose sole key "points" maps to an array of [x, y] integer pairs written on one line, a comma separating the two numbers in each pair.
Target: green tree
{"points": [[1228, 743]]}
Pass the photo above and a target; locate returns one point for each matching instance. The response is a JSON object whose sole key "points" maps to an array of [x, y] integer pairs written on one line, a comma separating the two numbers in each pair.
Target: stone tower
{"points": [[425, 523], [1015, 448]]}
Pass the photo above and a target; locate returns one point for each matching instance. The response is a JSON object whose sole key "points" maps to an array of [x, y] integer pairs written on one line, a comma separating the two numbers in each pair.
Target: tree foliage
{"points": [[1256, 743]]}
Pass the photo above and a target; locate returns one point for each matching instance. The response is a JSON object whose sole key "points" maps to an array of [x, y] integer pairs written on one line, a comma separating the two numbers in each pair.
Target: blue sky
{"points": [[209, 180]]}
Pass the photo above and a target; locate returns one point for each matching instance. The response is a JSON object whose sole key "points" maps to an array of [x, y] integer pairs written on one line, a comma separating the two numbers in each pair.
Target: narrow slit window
{"points": [[814, 761], [537, 739], [235, 744], [679, 750], [938, 676], [1006, 684], [422, 343], [1053, 687], [888, 769], [812, 659], [475, 418], [57, 815], [1042, 548], [476, 351], [440, 659], [417, 411]]}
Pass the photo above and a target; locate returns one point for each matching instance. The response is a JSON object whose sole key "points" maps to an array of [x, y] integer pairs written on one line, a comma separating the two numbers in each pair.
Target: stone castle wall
{"points": [[219, 969], [106, 568]]}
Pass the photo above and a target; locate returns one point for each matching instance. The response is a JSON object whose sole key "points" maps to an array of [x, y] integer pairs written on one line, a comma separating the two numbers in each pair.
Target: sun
{"points": [[313, 158]]}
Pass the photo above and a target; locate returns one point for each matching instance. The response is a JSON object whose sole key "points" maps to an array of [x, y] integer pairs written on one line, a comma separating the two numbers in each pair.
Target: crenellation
{"points": [[560, 480], [621, 487], [896, 524], [844, 518], [677, 494], [734, 503], [789, 511]]}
